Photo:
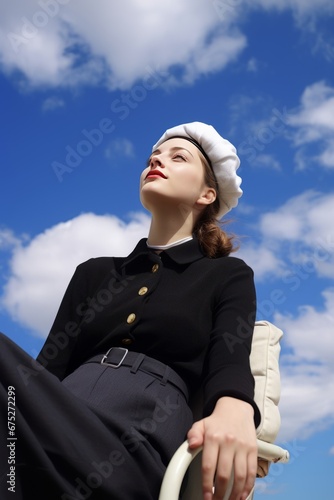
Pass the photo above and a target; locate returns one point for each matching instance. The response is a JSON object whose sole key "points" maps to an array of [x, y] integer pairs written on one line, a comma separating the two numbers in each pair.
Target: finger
{"points": [[223, 471], [195, 435], [240, 476], [251, 474], [209, 464]]}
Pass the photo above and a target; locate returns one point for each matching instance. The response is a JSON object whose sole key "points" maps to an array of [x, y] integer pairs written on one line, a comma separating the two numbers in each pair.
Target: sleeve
{"points": [[57, 350], [227, 368]]}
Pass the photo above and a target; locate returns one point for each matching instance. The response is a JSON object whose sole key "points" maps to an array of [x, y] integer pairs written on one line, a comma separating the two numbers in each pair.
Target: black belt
{"points": [[119, 356]]}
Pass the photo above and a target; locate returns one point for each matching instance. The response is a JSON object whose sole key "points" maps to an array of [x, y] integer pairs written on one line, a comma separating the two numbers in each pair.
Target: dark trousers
{"points": [[100, 434]]}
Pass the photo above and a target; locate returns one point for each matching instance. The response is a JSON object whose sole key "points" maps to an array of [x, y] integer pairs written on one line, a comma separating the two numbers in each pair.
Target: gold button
{"points": [[142, 290], [155, 267], [127, 341], [131, 318]]}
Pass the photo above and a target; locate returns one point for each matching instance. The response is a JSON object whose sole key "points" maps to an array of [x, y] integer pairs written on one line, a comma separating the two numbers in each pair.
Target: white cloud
{"points": [[39, 53], [301, 8], [120, 147], [309, 127], [213, 56], [113, 44], [331, 451], [310, 334], [307, 402], [253, 65], [317, 106], [295, 240], [40, 271], [8, 239], [323, 45], [289, 221], [326, 158], [267, 161], [313, 123], [69, 43], [262, 260], [305, 223], [52, 103]]}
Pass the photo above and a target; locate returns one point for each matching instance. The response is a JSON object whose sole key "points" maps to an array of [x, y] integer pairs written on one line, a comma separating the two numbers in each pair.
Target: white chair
{"points": [[264, 361]]}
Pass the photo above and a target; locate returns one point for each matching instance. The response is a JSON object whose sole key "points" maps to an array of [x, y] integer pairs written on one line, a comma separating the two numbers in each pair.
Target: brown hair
{"points": [[214, 241]]}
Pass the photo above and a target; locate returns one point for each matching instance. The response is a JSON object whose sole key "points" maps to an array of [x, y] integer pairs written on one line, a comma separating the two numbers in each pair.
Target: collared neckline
{"points": [[185, 253]]}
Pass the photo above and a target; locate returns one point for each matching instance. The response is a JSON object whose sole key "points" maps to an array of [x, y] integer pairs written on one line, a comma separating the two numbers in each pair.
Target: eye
{"points": [[180, 156]]}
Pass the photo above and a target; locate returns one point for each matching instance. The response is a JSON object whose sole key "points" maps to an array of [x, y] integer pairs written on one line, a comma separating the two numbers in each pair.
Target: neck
{"points": [[165, 230]]}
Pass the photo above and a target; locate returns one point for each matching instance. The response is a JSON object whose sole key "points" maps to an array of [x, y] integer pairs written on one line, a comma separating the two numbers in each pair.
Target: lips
{"points": [[154, 173]]}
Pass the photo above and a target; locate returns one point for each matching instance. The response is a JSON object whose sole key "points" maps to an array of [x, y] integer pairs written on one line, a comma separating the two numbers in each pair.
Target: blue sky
{"points": [[87, 89]]}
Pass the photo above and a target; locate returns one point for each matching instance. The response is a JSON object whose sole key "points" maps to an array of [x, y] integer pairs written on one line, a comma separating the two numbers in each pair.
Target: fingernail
{"points": [[208, 496]]}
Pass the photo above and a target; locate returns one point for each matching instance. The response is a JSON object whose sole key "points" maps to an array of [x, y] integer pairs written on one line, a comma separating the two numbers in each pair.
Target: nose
{"points": [[155, 162]]}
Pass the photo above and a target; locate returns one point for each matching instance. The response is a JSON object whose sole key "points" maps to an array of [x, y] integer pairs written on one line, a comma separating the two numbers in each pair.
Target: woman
{"points": [[104, 407]]}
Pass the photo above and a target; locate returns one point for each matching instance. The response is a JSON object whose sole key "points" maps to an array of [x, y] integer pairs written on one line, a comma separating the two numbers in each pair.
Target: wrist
{"points": [[228, 402]]}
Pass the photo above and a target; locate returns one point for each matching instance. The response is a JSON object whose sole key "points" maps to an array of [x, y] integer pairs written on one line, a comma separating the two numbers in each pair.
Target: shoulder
{"points": [[97, 268], [95, 264], [228, 273]]}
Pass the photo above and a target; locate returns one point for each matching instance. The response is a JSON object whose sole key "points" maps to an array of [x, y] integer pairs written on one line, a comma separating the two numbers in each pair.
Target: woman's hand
{"points": [[229, 439]]}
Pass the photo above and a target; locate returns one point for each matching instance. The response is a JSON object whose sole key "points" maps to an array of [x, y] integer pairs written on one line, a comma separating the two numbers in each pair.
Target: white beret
{"points": [[221, 154]]}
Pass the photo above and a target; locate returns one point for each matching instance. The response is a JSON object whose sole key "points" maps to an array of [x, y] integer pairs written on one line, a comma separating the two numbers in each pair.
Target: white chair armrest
{"points": [[176, 470], [272, 452], [182, 458]]}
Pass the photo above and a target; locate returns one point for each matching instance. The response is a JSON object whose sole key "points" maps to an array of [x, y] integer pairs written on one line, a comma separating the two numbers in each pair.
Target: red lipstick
{"points": [[155, 173]]}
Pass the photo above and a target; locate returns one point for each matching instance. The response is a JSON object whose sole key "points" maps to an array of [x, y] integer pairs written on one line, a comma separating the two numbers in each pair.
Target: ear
{"points": [[207, 196]]}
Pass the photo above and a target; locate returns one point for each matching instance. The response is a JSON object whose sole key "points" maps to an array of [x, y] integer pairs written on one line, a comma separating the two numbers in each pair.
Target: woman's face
{"points": [[175, 174]]}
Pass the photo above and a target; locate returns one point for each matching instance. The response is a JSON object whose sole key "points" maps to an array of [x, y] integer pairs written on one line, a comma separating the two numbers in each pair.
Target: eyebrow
{"points": [[173, 149]]}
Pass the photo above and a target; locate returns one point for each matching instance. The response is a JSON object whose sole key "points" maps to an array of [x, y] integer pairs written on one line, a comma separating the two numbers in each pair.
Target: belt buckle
{"points": [[114, 365]]}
